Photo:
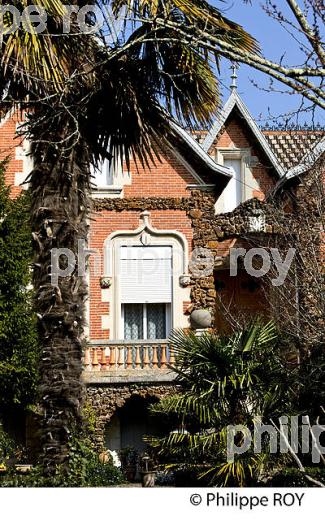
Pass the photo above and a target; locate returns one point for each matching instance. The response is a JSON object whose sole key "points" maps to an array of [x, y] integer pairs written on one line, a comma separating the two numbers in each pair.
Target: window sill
{"points": [[107, 192]]}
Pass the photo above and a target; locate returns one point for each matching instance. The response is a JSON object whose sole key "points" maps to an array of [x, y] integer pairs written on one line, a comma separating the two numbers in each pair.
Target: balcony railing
{"points": [[148, 360]]}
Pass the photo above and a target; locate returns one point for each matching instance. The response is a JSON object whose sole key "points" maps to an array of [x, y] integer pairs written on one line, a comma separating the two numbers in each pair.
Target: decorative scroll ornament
{"points": [[185, 280], [105, 282], [257, 223]]}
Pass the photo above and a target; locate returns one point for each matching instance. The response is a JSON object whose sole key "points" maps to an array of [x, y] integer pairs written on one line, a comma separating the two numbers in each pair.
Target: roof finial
{"points": [[234, 76]]}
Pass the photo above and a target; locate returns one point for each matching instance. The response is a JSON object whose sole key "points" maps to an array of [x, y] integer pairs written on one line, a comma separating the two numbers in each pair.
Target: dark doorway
{"points": [[131, 423]]}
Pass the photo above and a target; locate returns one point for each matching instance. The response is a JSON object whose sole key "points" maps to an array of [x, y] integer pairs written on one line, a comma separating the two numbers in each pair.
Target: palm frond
{"points": [[226, 381], [146, 86], [197, 13], [40, 62], [182, 78]]}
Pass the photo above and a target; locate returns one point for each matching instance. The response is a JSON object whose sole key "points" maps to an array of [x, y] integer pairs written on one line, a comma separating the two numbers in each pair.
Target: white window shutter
{"points": [[146, 274]]}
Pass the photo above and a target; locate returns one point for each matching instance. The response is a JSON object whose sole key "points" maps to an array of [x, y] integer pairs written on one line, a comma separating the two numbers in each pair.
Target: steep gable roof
{"points": [[204, 168], [234, 102]]}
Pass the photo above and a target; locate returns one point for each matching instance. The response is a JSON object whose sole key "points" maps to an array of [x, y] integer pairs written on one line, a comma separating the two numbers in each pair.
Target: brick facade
{"points": [[235, 135], [10, 145], [166, 178], [107, 222], [166, 191], [163, 189]]}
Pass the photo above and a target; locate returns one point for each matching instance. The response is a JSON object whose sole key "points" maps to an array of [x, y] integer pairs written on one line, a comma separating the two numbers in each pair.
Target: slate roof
{"points": [[291, 146]]}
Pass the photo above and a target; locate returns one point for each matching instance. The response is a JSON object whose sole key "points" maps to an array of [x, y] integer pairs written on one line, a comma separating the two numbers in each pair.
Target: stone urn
{"points": [[201, 319]]}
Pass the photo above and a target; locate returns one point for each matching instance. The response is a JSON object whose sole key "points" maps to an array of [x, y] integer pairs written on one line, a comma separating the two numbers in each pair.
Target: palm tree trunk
{"points": [[60, 188]]}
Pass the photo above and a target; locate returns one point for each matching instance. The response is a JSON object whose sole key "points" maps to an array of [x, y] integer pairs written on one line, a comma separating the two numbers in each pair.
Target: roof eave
{"points": [[201, 153], [208, 166]]}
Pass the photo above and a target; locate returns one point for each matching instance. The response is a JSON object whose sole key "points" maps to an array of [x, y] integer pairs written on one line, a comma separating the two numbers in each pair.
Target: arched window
{"points": [[146, 295]]}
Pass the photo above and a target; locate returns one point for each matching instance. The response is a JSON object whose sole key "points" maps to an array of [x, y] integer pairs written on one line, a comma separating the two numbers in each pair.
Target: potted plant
{"points": [[129, 458]]}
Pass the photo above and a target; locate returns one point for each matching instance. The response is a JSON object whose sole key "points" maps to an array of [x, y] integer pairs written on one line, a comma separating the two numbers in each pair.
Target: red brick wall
{"points": [[168, 178], [236, 298], [106, 223], [8, 144]]}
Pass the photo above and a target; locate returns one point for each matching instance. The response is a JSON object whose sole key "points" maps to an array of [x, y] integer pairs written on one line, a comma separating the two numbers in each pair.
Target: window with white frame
{"points": [[145, 320], [145, 291], [103, 174], [233, 192], [243, 183]]}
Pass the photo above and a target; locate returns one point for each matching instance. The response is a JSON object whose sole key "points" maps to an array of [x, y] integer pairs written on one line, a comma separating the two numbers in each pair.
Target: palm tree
{"points": [[89, 101], [225, 381]]}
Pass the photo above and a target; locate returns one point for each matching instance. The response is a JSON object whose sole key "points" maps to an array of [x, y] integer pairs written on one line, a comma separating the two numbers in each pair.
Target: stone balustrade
{"points": [[149, 360]]}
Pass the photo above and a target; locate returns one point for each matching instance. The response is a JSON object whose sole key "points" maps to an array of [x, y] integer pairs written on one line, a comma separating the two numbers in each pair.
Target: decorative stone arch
{"points": [[106, 401], [146, 235]]}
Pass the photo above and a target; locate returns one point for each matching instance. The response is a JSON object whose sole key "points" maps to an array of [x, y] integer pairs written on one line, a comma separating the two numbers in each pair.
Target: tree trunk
{"points": [[60, 188]]}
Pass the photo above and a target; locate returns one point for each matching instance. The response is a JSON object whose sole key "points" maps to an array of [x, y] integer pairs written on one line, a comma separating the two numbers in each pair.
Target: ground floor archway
{"points": [[131, 423], [120, 413]]}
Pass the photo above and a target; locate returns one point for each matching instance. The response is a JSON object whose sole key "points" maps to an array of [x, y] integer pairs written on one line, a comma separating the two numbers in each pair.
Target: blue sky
{"points": [[275, 41]]}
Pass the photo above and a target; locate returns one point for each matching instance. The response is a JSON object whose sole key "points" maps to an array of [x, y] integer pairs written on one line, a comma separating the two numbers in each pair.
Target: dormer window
{"points": [[243, 185], [103, 174], [108, 179]]}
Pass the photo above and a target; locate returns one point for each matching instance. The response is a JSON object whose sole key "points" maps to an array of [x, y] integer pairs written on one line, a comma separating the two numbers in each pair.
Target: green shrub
{"points": [[84, 470], [6, 447], [292, 477], [102, 474]]}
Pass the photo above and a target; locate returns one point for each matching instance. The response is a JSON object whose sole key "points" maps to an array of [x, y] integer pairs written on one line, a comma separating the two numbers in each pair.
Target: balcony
{"points": [[129, 362]]}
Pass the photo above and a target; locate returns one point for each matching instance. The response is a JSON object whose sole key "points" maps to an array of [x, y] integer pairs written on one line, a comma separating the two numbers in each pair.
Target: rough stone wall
{"points": [[307, 236], [106, 400], [218, 233]]}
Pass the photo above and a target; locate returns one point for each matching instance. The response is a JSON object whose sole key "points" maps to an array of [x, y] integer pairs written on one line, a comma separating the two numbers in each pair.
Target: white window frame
{"points": [[148, 235], [119, 326], [23, 154], [145, 319], [118, 177]]}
